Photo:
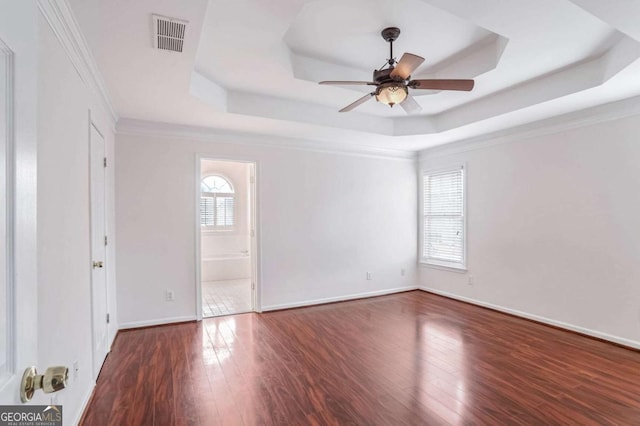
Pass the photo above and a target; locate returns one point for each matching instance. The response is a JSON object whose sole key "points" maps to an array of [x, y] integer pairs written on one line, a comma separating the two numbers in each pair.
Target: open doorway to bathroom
{"points": [[226, 228]]}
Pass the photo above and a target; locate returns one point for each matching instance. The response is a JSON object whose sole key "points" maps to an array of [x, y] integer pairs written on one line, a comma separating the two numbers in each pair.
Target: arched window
{"points": [[217, 200]]}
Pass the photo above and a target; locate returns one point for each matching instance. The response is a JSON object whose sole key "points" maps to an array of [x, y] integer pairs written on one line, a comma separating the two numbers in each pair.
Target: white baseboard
{"points": [[159, 321], [615, 339], [85, 401], [337, 299]]}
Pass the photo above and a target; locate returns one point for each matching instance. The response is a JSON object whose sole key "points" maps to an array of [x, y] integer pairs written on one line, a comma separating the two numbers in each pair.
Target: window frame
{"points": [[214, 196], [450, 266]]}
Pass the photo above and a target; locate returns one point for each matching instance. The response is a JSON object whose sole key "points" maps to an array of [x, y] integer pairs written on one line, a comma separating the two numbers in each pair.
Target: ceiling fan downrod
{"points": [[390, 35]]}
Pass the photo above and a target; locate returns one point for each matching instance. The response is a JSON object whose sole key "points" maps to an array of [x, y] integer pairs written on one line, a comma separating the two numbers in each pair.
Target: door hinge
{"points": [[253, 286], [105, 240], [108, 318], [253, 233], [105, 161], [252, 179]]}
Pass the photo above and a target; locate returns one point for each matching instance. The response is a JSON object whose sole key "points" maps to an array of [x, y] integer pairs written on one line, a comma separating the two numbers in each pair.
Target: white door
{"points": [[98, 251], [6, 318], [18, 196]]}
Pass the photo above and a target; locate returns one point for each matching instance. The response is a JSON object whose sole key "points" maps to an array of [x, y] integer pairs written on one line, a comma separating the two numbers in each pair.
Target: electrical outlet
{"points": [[368, 275], [76, 369], [402, 272], [169, 296], [470, 282]]}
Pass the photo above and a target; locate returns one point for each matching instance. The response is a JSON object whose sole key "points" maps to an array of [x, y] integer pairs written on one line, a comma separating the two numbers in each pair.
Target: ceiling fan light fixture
{"points": [[393, 80], [392, 93]]}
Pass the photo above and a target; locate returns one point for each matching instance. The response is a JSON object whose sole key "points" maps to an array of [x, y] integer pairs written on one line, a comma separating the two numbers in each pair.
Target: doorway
{"points": [[100, 317], [226, 235]]}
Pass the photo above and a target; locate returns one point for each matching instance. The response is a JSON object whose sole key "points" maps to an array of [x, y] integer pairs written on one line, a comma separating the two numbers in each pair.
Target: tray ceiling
{"points": [[253, 65]]}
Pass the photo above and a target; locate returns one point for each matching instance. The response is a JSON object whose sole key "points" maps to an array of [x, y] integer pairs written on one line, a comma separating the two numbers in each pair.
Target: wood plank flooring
{"points": [[409, 358]]}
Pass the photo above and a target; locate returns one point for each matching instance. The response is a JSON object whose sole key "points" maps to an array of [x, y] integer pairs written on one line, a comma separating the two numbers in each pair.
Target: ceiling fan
{"points": [[393, 80]]}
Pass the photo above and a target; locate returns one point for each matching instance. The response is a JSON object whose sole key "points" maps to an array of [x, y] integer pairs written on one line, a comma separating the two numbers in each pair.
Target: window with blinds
{"points": [[217, 201], [443, 240], [216, 210]]}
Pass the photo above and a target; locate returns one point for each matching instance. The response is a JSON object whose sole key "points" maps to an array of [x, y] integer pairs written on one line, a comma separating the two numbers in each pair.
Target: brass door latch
{"points": [[97, 264]]}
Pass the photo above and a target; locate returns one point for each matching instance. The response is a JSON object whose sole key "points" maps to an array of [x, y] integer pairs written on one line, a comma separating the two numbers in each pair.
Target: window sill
{"points": [[444, 267], [217, 231]]}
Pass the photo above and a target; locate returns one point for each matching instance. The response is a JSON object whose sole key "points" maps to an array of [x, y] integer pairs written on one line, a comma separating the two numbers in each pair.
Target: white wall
{"points": [[553, 228], [64, 262], [324, 221]]}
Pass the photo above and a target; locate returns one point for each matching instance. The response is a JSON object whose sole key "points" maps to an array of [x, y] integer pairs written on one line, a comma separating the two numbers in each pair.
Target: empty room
{"points": [[319, 212]]}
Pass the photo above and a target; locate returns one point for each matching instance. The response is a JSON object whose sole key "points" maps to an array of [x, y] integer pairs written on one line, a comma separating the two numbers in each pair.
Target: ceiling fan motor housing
{"points": [[383, 76]]}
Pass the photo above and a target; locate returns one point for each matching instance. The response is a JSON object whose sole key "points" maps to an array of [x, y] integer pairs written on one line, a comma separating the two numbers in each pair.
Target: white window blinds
{"points": [[216, 210], [224, 211], [443, 218], [206, 211]]}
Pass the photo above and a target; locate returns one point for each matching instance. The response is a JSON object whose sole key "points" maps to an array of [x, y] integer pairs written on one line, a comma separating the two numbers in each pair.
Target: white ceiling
{"points": [[253, 65]]}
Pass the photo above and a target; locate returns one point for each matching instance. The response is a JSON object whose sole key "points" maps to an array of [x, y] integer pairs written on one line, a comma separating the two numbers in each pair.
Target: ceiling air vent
{"points": [[168, 33]]}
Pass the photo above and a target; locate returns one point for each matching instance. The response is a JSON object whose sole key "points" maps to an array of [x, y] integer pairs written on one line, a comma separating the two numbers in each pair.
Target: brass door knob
{"points": [[97, 264], [53, 380]]}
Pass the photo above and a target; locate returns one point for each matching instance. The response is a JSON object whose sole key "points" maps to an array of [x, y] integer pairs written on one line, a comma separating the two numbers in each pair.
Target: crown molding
{"points": [[133, 127], [598, 114], [60, 17]]}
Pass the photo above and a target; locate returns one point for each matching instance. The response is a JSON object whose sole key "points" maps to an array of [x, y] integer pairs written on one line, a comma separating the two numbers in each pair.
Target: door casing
{"points": [[256, 295]]}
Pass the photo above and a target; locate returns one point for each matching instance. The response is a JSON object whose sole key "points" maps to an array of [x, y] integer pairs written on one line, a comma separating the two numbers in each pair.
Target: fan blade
{"points": [[410, 106], [408, 64], [359, 102], [464, 85], [348, 83]]}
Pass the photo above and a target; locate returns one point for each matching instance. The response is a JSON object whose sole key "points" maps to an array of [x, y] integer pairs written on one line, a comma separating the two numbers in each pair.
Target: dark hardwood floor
{"points": [[409, 358]]}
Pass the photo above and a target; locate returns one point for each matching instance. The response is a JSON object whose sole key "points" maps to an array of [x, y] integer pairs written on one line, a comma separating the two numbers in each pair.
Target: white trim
{"points": [[127, 126], [158, 321], [112, 341], [577, 119], [444, 267], [338, 298], [60, 17], [198, 237], [227, 257], [549, 321], [218, 231], [85, 402], [256, 247]]}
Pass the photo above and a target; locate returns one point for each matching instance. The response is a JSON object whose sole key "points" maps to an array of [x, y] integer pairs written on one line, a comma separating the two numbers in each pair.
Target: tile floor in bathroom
{"points": [[226, 297]]}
